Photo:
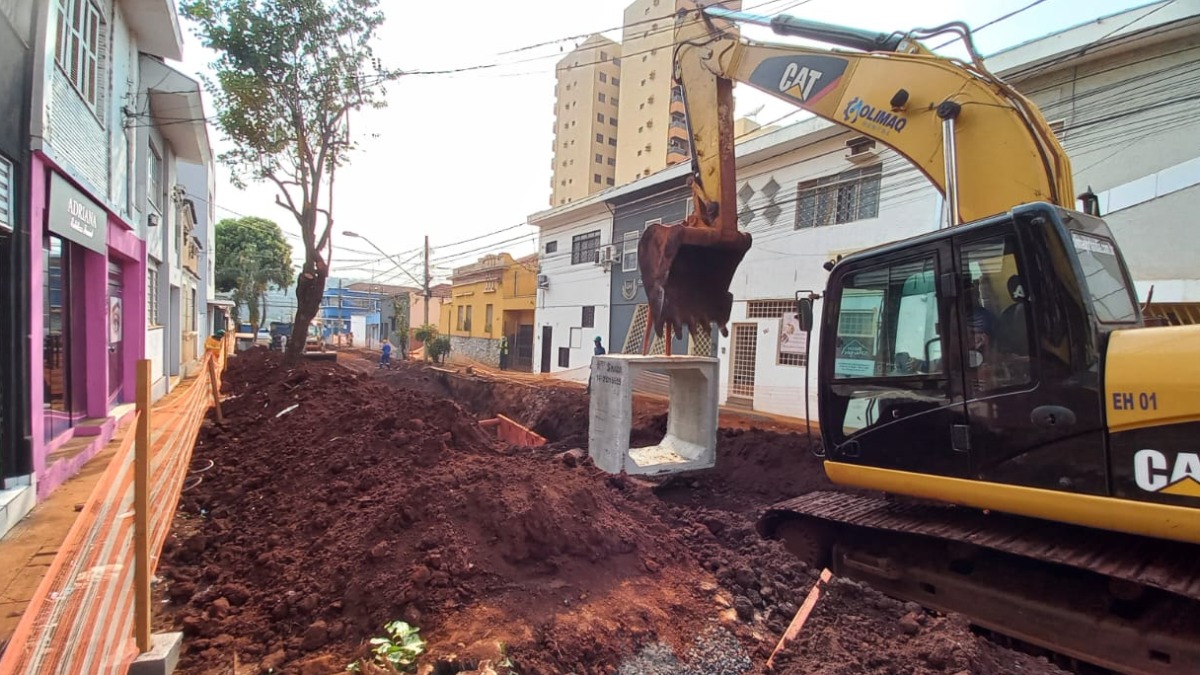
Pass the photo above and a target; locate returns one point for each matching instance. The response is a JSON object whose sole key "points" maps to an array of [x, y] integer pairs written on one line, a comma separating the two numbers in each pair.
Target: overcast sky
{"points": [[467, 155]]}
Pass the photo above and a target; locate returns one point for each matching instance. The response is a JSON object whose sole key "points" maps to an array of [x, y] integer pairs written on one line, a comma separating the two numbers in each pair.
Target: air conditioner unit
{"points": [[861, 150], [543, 281], [605, 255]]}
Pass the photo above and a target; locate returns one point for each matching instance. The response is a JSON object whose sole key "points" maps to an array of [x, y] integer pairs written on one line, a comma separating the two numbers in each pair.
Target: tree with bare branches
{"points": [[287, 76]]}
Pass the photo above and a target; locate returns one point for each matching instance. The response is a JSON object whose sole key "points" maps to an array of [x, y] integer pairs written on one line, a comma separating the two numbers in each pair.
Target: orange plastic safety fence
{"points": [[80, 620]]}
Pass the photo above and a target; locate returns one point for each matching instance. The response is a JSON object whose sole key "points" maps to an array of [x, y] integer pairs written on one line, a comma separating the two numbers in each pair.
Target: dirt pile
{"points": [[336, 504], [339, 501]]}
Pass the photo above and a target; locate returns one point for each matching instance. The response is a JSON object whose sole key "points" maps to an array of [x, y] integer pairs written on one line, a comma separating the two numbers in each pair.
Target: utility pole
{"points": [[428, 293]]}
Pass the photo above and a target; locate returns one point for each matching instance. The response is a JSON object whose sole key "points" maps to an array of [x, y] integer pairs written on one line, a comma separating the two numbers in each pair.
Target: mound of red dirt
{"points": [[336, 504]]}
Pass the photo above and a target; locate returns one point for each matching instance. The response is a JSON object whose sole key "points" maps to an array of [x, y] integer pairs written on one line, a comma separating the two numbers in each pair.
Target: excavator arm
{"points": [[980, 142]]}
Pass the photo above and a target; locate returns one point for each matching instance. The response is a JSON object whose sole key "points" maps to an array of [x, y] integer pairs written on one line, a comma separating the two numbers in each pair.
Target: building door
{"points": [[116, 354], [546, 348], [745, 350], [524, 347]]}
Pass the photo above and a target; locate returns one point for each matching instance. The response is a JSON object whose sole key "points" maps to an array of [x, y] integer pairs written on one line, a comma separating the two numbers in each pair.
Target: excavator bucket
{"points": [[686, 270]]}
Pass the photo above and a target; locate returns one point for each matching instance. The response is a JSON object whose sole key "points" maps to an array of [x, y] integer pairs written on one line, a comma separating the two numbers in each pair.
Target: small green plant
{"points": [[438, 348], [398, 651]]}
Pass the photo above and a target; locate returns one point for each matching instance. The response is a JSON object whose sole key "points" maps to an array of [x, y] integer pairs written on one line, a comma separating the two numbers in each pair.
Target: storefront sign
{"points": [[76, 216], [792, 340]]}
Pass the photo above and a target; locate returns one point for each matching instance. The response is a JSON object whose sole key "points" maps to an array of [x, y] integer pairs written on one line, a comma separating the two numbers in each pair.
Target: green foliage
{"points": [[402, 308], [425, 334], [438, 348], [398, 651], [288, 73], [252, 256]]}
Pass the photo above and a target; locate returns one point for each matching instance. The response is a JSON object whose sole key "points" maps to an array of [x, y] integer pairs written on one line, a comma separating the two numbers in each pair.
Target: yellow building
{"points": [[491, 299]]}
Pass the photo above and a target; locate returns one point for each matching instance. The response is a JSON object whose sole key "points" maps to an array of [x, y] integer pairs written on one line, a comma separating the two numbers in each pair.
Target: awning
{"points": [[177, 110], [156, 24]]}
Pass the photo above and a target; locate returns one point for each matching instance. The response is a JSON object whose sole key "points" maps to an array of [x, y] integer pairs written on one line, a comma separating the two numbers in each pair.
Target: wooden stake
{"points": [[649, 331], [667, 340], [216, 389], [801, 616], [141, 511]]}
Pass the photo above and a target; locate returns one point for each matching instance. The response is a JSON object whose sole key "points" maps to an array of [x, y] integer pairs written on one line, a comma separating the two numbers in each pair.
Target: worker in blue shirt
{"points": [[385, 359]]}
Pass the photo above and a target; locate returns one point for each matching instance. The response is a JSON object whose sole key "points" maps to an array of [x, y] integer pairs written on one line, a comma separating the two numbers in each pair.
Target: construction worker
{"points": [[214, 342], [385, 358], [503, 352], [597, 350]]}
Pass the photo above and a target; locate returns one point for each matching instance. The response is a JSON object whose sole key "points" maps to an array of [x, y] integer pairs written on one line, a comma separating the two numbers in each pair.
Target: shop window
{"points": [[56, 335], [77, 48]]}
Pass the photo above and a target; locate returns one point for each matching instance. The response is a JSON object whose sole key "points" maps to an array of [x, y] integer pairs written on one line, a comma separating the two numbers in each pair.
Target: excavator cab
{"points": [[975, 352]]}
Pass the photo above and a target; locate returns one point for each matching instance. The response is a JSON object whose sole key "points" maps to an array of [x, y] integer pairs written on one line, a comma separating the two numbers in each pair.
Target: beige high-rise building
{"points": [[585, 120], [653, 119]]}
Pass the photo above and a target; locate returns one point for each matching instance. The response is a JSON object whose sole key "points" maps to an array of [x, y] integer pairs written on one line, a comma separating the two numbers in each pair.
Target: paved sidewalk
{"points": [[27, 550]]}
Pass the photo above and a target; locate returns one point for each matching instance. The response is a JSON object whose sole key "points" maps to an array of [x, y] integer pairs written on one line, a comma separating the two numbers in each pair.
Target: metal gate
{"points": [[745, 350]]}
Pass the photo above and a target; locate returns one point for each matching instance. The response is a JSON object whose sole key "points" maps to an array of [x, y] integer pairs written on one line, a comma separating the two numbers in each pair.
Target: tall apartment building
{"points": [[653, 119], [585, 120]]}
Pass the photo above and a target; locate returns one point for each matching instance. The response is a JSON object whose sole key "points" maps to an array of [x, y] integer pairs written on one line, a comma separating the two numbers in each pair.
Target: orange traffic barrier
{"points": [[82, 617]]}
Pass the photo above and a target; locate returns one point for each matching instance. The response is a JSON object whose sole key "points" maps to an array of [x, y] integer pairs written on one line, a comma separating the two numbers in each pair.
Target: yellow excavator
{"points": [[1010, 437]]}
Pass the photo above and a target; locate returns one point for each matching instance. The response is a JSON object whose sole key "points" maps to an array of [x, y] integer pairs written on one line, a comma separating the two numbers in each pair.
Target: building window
{"points": [[614, 100], [601, 97], [599, 158], [488, 315], [154, 190], [462, 313], [629, 246], [588, 320], [616, 62], [600, 117], [564, 357], [599, 138], [152, 294], [596, 178], [56, 337], [584, 247], [610, 181], [6, 194], [603, 56], [467, 323], [612, 161], [612, 121], [612, 141], [551, 246], [77, 49], [842, 198], [603, 77], [189, 321]]}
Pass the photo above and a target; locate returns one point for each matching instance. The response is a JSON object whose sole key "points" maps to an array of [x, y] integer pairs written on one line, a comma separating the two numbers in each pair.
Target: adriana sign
{"points": [[74, 216]]}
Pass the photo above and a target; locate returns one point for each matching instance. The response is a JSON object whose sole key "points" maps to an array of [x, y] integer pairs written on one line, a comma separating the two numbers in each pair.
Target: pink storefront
{"points": [[87, 322]]}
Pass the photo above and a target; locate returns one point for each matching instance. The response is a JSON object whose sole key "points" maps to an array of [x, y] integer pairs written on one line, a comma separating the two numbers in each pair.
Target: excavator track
{"points": [[1126, 603]]}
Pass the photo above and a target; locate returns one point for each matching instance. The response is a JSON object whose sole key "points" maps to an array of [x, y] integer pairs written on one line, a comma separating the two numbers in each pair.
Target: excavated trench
{"points": [[379, 497]]}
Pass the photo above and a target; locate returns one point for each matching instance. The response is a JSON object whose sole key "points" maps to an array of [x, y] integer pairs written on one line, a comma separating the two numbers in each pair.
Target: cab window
{"points": [[995, 315], [888, 322], [1103, 278]]}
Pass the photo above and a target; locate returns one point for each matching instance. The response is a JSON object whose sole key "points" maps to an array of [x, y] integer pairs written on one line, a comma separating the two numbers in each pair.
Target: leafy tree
{"points": [[288, 75], [425, 335], [252, 256]]}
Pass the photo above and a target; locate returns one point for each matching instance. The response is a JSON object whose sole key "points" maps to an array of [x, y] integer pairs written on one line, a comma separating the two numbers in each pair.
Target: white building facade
{"points": [[1121, 93], [573, 290]]}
